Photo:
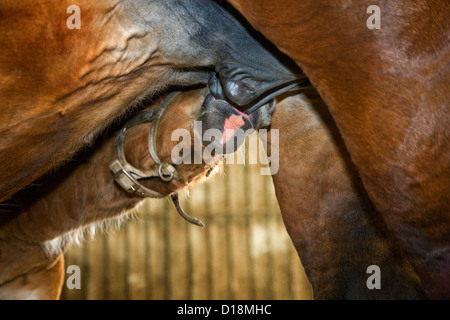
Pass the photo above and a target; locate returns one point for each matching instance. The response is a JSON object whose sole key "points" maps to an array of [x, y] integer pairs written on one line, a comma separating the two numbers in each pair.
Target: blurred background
{"points": [[244, 252]]}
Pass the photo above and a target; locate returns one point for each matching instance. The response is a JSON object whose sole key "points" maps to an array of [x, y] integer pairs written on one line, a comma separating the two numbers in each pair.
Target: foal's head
{"points": [[191, 138]]}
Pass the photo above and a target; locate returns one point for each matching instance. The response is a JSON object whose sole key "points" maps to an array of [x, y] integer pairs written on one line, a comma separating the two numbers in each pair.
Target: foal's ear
{"points": [[224, 128]]}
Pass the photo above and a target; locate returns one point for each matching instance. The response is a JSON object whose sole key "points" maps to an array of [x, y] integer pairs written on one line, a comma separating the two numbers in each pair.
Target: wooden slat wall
{"points": [[243, 252]]}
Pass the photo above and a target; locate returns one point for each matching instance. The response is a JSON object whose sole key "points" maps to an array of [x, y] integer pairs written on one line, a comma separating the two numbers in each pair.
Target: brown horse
{"points": [[60, 86], [388, 91], [38, 224], [332, 223]]}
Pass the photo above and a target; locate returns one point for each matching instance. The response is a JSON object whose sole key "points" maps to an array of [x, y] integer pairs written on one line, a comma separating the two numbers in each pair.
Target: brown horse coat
{"points": [[39, 224], [388, 91]]}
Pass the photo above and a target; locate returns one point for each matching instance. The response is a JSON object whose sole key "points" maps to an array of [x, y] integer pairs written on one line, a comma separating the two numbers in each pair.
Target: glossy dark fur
{"points": [[333, 225]]}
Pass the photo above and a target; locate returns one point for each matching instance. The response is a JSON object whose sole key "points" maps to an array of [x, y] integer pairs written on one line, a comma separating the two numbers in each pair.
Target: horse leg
{"points": [[337, 232], [387, 90], [44, 284]]}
